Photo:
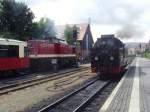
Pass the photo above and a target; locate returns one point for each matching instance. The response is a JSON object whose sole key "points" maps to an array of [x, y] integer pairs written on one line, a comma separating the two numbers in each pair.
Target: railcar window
{"points": [[26, 51], [9, 51], [13, 51]]}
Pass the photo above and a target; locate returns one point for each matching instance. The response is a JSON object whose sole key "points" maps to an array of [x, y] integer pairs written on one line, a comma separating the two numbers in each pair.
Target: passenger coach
{"points": [[13, 55]]}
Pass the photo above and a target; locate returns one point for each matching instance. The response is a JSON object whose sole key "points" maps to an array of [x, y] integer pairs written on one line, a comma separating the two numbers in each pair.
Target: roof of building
{"points": [[81, 32]]}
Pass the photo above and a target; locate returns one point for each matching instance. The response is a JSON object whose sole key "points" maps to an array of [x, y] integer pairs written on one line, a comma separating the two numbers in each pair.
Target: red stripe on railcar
{"points": [[44, 47], [13, 63], [116, 70]]}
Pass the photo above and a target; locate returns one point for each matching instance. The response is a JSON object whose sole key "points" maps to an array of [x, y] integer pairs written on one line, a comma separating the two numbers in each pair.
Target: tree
{"points": [[43, 28], [46, 27], [15, 19], [35, 30], [68, 33]]}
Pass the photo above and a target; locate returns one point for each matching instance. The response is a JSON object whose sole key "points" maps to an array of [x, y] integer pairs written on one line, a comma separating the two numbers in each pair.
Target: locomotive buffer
{"points": [[132, 94]]}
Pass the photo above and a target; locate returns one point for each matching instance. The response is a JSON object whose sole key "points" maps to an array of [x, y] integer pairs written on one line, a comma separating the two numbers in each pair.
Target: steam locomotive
{"points": [[108, 56]]}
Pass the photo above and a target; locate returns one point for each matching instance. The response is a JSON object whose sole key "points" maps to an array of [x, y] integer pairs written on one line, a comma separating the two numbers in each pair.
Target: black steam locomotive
{"points": [[108, 56]]}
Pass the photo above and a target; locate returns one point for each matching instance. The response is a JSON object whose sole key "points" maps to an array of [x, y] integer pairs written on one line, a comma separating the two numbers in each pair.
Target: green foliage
{"points": [[46, 28], [147, 54], [68, 35], [78, 44], [15, 18], [36, 32], [6, 35]]}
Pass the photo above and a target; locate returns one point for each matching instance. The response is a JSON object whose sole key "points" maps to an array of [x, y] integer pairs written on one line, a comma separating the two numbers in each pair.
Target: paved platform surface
{"points": [[132, 94]]}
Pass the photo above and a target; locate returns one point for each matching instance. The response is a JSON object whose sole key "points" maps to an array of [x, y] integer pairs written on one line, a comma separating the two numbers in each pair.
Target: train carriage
{"points": [[108, 56], [36, 55], [13, 55]]}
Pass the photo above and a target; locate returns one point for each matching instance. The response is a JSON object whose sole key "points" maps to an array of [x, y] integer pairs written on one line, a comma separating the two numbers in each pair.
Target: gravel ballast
{"points": [[28, 98]]}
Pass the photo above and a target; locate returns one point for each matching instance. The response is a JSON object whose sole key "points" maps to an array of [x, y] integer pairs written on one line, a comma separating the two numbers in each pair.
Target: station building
{"points": [[84, 37]]}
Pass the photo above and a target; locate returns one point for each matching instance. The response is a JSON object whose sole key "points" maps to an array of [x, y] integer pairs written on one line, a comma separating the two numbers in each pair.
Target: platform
{"points": [[132, 94]]}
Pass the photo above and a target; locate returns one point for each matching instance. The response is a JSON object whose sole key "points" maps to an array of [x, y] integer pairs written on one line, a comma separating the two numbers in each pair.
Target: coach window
{"points": [[13, 51], [9, 51], [3, 51]]}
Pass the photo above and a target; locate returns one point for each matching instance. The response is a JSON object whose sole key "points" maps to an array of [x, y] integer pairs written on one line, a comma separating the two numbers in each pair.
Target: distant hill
{"points": [[134, 44]]}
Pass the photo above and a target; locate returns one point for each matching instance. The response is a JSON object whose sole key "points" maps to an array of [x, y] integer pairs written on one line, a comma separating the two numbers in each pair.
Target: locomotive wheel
{"points": [[103, 77], [100, 75]]}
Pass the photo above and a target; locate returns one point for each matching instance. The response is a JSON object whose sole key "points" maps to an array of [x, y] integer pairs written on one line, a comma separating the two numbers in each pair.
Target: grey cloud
{"points": [[130, 31], [34, 2], [107, 12], [103, 11]]}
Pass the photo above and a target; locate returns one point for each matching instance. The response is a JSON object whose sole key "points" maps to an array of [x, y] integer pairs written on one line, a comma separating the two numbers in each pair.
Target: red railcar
{"points": [[44, 48], [13, 55], [45, 55]]}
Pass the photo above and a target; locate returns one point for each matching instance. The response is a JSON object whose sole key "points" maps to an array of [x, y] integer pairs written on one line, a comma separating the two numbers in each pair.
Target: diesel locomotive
{"points": [[45, 55]]}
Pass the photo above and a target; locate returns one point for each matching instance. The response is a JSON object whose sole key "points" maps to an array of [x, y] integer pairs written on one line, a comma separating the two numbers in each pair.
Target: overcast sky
{"points": [[128, 19]]}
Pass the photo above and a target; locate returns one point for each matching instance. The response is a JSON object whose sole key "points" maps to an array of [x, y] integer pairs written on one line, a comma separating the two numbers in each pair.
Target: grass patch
{"points": [[147, 55]]}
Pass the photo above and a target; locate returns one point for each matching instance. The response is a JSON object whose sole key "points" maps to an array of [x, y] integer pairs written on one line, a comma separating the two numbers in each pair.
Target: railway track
{"points": [[78, 99], [18, 85]]}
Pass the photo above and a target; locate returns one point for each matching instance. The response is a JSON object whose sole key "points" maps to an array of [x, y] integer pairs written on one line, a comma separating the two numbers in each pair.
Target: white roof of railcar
{"points": [[4, 41]]}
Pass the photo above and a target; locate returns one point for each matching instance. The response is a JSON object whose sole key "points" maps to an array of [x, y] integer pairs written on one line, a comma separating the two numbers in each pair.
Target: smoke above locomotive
{"points": [[128, 31]]}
